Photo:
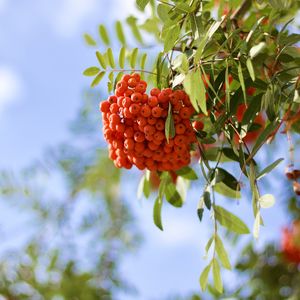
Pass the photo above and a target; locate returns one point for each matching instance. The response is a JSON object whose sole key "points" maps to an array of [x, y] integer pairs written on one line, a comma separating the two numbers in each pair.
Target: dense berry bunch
{"points": [[134, 126], [291, 243]]}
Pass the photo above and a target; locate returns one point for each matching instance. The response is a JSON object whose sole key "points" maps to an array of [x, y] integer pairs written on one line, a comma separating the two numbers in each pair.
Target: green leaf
{"points": [[122, 57], [266, 201], [242, 82], [194, 87], [206, 198], [252, 110], [250, 69], [172, 195], [120, 32], [142, 3], [228, 179], [269, 168], [183, 8], [111, 59], [208, 245], [188, 173], [217, 276], [169, 125], [97, 79], [144, 186], [221, 251], [163, 12], [264, 136], [157, 212], [103, 34], [204, 40], [89, 40], [159, 65], [255, 50], [230, 221], [256, 225], [181, 63], [101, 59], [171, 37], [143, 61], [204, 277], [131, 21], [224, 190], [133, 57], [92, 71]]}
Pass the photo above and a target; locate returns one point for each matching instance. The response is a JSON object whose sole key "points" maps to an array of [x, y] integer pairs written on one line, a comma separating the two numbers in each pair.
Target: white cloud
{"points": [[10, 86]]}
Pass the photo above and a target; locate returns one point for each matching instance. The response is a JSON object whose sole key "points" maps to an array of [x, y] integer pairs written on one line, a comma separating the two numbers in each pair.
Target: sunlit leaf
{"points": [[217, 275], [204, 277], [120, 32], [97, 79], [89, 40], [91, 71], [111, 59], [157, 212], [266, 201], [104, 34], [230, 221], [101, 59], [222, 253]]}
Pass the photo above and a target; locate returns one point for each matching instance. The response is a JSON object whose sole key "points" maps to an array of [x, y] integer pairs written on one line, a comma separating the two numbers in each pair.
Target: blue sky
{"points": [[42, 56]]}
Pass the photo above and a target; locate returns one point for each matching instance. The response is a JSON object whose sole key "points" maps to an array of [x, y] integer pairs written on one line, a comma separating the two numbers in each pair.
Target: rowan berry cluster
{"points": [[134, 126]]}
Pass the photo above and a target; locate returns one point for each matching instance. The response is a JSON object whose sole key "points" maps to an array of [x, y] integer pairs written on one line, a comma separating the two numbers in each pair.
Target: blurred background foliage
{"points": [[79, 236]]}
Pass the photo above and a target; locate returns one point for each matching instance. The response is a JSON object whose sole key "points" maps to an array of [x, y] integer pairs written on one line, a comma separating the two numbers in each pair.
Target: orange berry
{"points": [[155, 92], [104, 106], [114, 108], [179, 128], [185, 113], [152, 101], [125, 77], [112, 99], [122, 86], [132, 82], [120, 128], [179, 140], [128, 133], [157, 111], [198, 125], [136, 76], [114, 118], [134, 108], [145, 98], [141, 121], [139, 147], [129, 144], [127, 113], [128, 93], [152, 146], [149, 130], [151, 120], [163, 96], [136, 97], [160, 124], [126, 102], [139, 137], [158, 135], [146, 111]]}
